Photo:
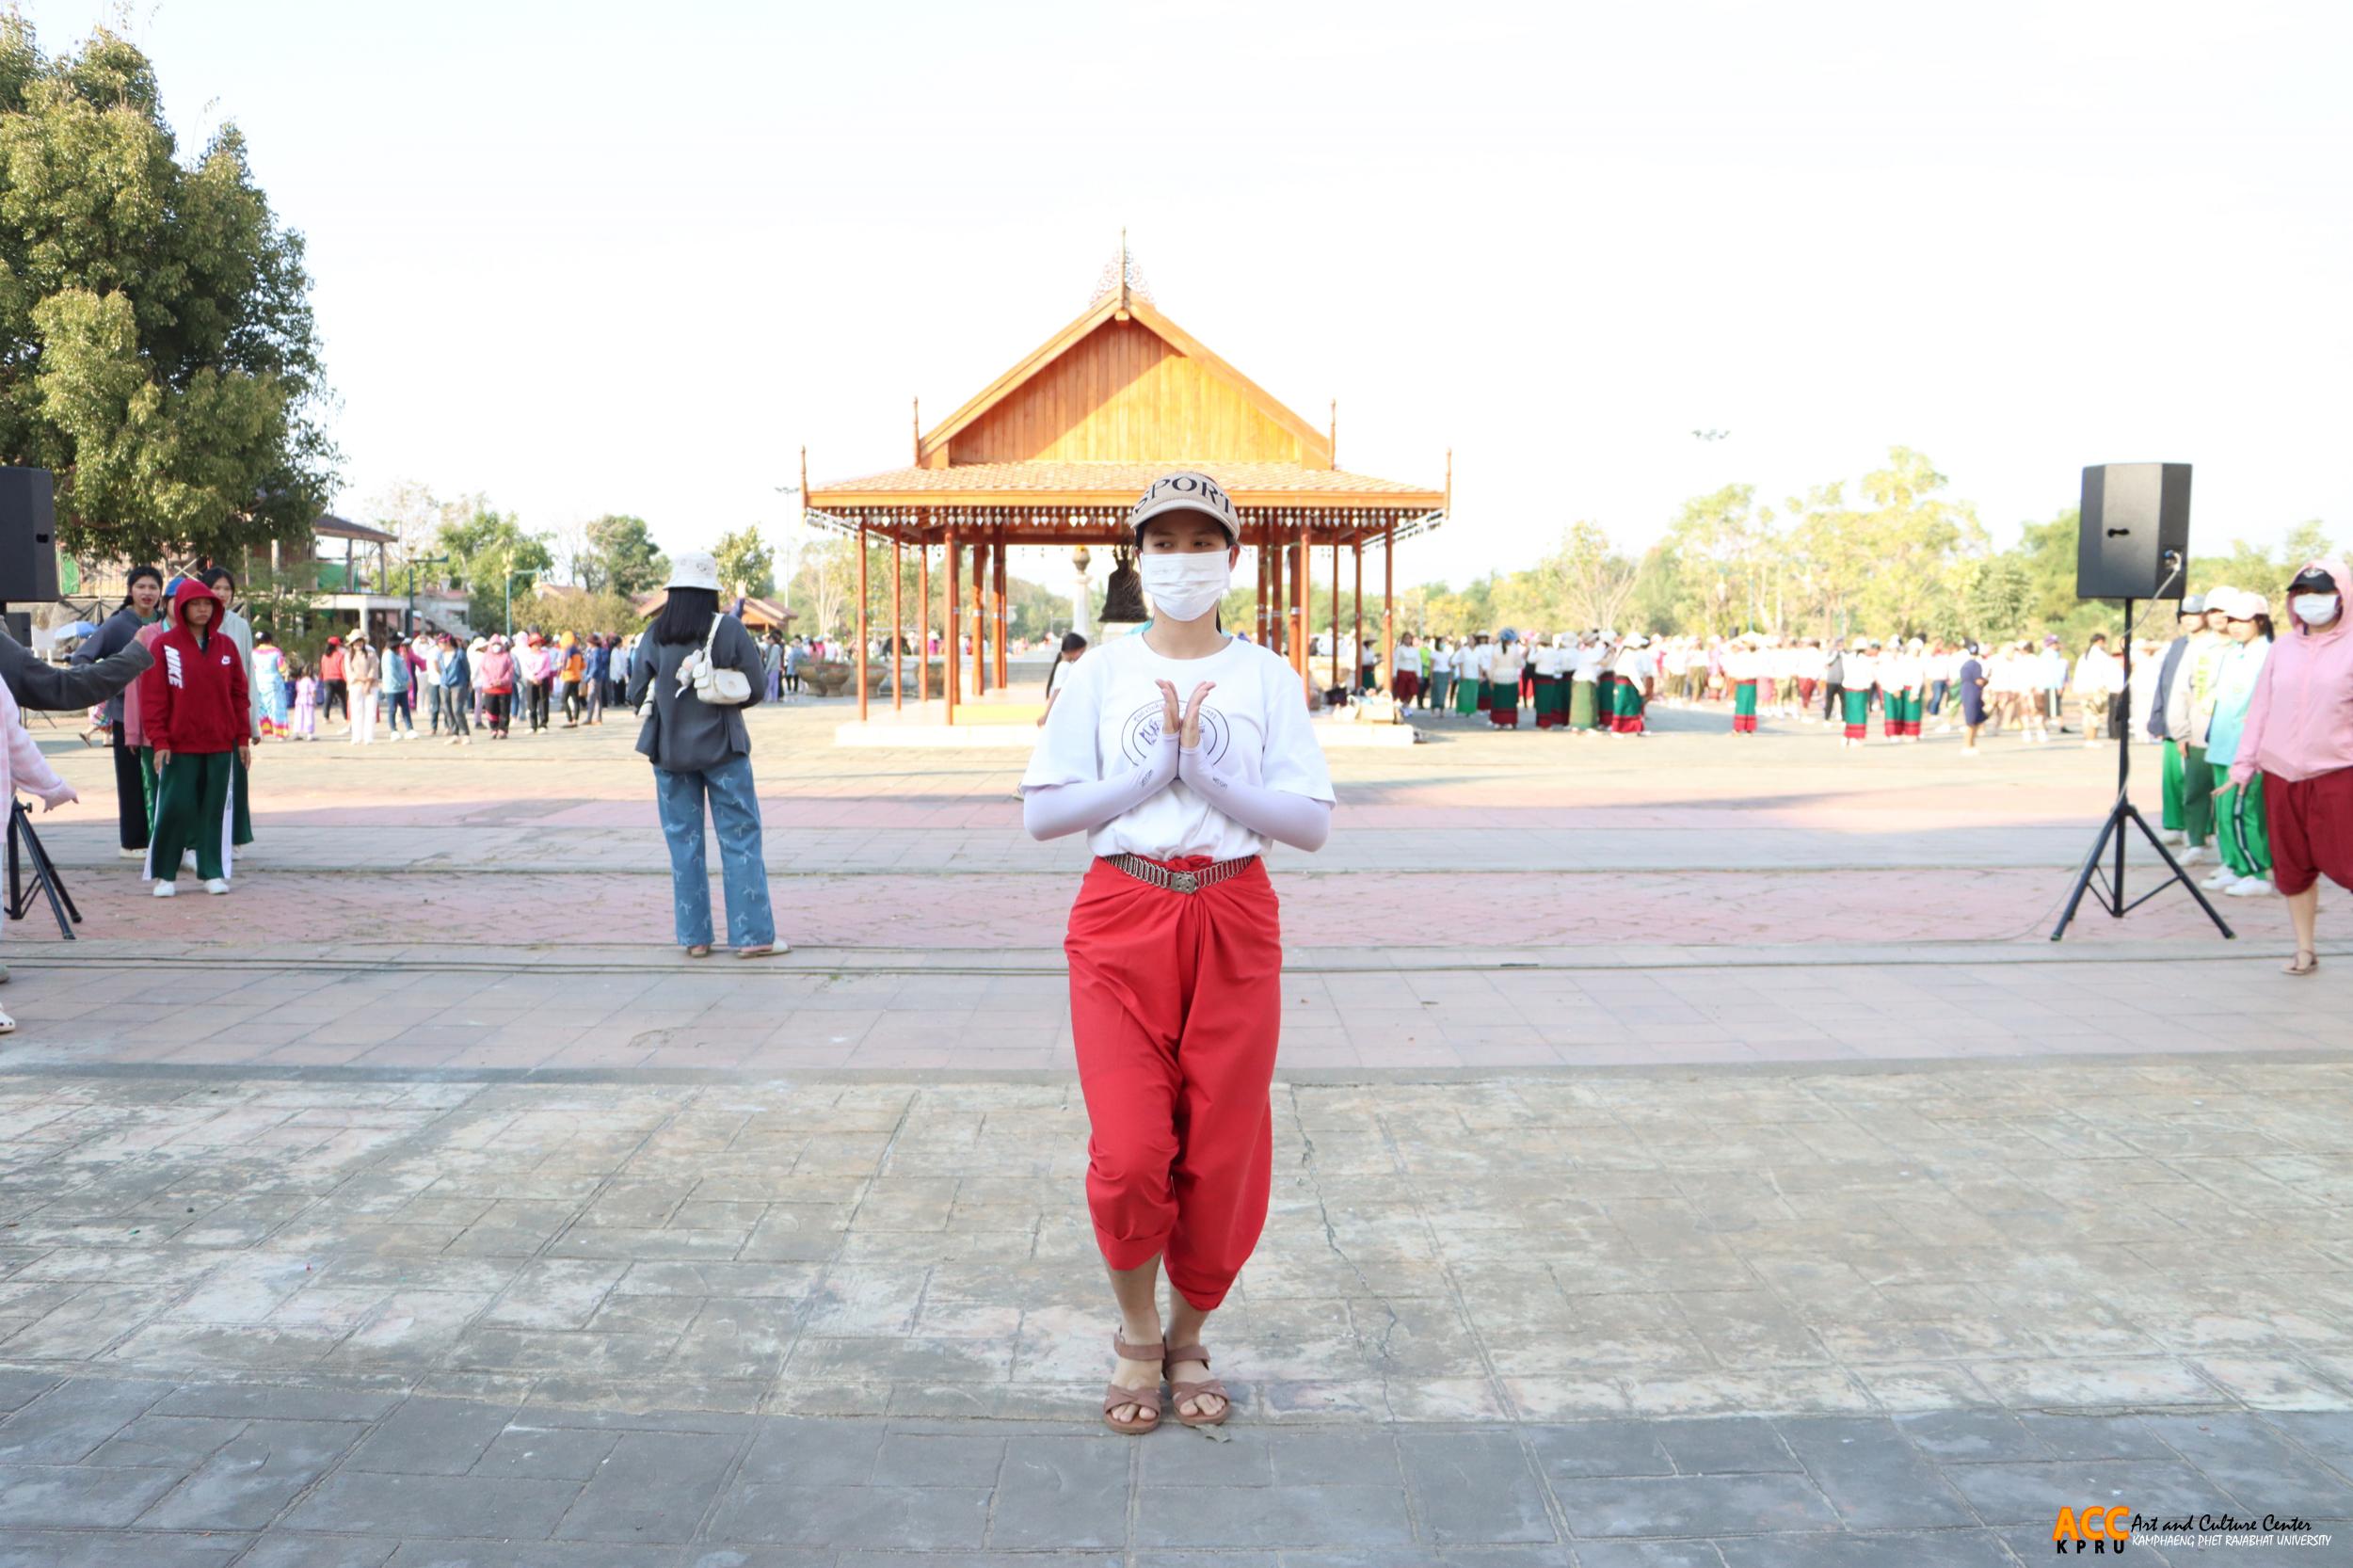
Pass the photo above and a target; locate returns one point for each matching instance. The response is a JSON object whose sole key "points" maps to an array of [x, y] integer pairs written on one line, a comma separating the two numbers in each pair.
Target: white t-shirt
{"points": [[1442, 662], [1059, 677], [1109, 715]]}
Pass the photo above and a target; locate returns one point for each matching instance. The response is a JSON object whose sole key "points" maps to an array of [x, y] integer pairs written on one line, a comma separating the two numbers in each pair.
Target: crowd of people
{"points": [[1603, 682], [490, 684]]}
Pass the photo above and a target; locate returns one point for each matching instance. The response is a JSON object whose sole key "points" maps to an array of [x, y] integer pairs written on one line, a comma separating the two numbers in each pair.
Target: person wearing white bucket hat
{"points": [[695, 674], [2240, 837]]}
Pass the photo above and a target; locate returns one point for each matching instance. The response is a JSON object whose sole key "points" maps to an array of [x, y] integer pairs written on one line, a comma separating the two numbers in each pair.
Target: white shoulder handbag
{"points": [[719, 686]]}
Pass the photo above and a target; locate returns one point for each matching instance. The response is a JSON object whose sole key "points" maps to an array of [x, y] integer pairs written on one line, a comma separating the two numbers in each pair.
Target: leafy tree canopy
{"points": [[745, 565], [622, 557], [157, 352], [1906, 558], [490, 557]]}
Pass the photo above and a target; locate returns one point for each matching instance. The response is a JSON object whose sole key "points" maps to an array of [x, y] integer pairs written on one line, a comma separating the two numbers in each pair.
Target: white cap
{"points": [[1187, 492], [696, 568]]}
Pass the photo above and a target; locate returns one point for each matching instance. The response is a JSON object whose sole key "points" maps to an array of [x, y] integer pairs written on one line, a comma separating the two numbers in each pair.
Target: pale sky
{"points": [[595, 257]]}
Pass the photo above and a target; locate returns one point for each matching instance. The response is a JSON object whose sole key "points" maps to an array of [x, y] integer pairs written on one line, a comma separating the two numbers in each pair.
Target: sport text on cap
{"points": [[1186, 492]]}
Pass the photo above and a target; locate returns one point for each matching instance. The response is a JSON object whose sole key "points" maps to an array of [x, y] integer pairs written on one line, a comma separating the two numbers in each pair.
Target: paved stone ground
{"points": [[1732, 1176], [1755, 1313]]}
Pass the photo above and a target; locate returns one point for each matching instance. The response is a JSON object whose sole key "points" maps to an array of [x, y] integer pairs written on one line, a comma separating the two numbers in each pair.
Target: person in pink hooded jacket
{"points": [[2299, 733], [24, 768]]}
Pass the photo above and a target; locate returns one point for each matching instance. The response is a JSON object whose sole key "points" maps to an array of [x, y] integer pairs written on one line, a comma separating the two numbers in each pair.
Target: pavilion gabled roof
{"points": [[1090, 417], [934, 449]]}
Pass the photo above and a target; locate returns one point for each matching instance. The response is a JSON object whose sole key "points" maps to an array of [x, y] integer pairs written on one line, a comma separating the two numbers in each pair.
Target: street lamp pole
{"points": [[510, 600]]}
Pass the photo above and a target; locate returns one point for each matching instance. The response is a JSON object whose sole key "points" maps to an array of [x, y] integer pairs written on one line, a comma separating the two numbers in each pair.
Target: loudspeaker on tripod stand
{"points": [[2134, 544], [2133, 541]]}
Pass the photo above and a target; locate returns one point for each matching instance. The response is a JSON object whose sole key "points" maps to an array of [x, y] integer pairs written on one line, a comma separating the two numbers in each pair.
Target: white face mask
{"points": [[2314, 609], [1185, 585]]}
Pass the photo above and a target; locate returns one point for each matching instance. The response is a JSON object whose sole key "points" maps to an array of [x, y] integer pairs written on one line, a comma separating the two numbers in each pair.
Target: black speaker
{"points": [[28, 537], [2134, 539]]}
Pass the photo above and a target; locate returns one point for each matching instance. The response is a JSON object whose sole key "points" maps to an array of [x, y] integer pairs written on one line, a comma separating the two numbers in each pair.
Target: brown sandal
{"points": [[2299, 967], [1183, 1391], [1143, 1398]]}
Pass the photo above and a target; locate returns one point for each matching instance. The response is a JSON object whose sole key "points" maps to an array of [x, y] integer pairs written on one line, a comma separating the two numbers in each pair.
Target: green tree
{"points": [[1655, 604], [490, 554], [1997, 601], [580, 613], [622, 557], [156, 346], [1915, 533], [2306, 541], [745, 565], [1587, 583], [1722, 542]]}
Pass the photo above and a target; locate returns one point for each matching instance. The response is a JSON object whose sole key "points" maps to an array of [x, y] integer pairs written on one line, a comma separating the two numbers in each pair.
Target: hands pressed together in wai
{"points": [[1293, 818]]}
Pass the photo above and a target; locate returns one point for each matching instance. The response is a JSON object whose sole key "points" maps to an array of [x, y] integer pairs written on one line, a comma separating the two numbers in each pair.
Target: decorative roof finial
{"points": [[1121, 274]]}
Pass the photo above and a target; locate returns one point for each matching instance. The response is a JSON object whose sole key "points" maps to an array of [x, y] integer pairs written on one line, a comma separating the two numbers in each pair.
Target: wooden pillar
{"points": [[862, 620], [1335, 618], [1388, 602], [951, 673], [923, 609], [898, 624], [1258, 555], [1277, 565], [997, 592], [1360, 598], [980, 618], [1304, 599]]}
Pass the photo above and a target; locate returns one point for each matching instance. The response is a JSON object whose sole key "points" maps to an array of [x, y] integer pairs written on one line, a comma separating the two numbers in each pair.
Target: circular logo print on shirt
{"points": [[1142, 732]]}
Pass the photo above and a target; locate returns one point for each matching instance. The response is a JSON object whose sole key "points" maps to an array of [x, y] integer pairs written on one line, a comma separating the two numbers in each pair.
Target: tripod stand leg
{"points": [[2083, 877], [19, 899], [46, 877], [2179, 874]]}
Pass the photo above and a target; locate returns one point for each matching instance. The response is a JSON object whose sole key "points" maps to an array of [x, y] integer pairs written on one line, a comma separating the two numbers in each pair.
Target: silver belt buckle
{"points": [[1184, 882]]}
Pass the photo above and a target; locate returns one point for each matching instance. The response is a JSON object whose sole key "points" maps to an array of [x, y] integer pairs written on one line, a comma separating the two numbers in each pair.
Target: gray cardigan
{"points": [[37, 683], [685, 733]]}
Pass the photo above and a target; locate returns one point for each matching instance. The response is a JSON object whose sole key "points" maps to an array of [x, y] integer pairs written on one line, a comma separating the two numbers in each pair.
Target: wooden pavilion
{"points": [[1057, 449]]}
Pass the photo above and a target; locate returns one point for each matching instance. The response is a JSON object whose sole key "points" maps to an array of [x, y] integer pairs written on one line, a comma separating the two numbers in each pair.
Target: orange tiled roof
{"points": [[1098, 483]]}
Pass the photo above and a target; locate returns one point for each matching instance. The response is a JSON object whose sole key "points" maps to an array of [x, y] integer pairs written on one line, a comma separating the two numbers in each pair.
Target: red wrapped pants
{"points": [[1176, 1004]]}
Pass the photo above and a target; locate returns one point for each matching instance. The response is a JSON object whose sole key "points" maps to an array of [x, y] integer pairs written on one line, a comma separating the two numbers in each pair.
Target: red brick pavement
{"points": [[1026, 910]]}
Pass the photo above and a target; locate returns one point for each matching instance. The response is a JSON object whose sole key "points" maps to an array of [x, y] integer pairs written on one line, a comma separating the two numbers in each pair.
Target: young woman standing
{"points": [[702, 756], [199, 707], [498, 687], [1175, 944], [361, 674], [1074, 648], [2239, 835], [2298, 737], [1971, 694], [135, 787]]}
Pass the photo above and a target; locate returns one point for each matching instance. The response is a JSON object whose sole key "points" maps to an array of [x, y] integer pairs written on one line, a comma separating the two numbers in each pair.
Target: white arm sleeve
{"points": [[1299, 821], [1053, 810]]}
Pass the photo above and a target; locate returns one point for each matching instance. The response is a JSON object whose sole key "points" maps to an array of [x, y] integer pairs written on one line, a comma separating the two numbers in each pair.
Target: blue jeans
{"points": [[736, 818]]}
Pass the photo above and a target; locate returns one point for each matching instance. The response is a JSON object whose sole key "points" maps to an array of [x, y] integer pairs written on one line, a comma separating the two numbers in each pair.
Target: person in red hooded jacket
{"points": [[199, 720]]}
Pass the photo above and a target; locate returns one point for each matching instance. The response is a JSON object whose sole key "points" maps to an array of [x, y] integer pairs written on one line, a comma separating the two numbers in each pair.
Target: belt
{"points": [[1179, 882]]}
